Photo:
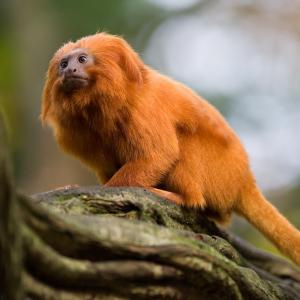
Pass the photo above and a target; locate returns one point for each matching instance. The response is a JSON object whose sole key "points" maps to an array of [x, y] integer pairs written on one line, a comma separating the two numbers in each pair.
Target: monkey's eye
{"points": [[82, 59], [63, 64]]}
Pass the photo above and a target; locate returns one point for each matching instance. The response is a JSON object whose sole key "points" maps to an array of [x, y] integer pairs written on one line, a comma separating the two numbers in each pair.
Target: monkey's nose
{"points": [[70, 71]]}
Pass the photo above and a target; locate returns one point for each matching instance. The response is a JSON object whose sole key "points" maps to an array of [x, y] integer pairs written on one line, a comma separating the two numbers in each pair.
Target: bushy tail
{"points": [[267, 219]]}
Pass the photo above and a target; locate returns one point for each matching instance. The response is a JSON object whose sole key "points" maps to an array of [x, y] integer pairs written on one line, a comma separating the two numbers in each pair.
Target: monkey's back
{"points": [[210, 152]]}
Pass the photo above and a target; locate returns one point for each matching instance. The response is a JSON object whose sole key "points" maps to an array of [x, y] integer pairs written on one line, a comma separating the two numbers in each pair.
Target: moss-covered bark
{"points": [[129, 244], [100, 243], [10, 246]]}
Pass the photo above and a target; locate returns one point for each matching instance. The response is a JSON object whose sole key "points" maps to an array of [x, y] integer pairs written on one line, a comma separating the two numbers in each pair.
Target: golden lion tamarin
{"points": [[136, 127]]}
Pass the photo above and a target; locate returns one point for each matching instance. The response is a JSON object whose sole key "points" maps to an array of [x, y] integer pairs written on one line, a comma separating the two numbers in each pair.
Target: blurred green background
{"points": [[243, 56]]}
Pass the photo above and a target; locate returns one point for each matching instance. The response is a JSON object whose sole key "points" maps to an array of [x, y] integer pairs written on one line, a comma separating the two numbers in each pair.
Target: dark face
{"points": [[72, 69]]}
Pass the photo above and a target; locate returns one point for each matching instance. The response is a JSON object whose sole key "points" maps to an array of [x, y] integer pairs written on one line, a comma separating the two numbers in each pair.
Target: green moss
{"points": [[132, 223]]}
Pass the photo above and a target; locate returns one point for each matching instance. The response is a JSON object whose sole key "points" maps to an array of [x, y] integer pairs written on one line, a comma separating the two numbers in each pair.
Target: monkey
{"points": [[135, 127]]}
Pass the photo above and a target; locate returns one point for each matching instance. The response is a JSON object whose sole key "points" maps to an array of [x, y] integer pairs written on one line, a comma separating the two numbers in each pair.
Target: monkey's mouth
{"points": [[70, 83]]}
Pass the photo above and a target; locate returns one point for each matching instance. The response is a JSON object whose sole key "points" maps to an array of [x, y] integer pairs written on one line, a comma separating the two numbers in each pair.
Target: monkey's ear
{"points": [[131, 63]]}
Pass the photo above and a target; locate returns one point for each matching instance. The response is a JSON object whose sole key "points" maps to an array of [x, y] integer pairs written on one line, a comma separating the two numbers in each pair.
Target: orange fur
{"points": [[136, 127]]}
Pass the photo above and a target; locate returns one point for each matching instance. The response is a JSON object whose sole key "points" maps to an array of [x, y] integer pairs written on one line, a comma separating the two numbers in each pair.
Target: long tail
{"points": [[267, 219]]}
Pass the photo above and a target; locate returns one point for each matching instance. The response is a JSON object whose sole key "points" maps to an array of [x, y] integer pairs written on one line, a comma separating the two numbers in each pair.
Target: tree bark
{"points": [[126, 243], [10, 246]]}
